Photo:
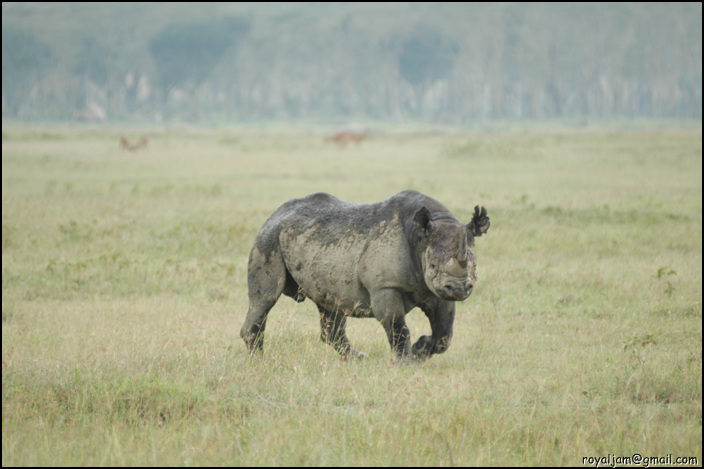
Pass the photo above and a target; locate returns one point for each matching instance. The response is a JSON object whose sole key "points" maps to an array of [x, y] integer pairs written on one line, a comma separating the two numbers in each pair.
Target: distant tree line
{"points": [[456, 63]]}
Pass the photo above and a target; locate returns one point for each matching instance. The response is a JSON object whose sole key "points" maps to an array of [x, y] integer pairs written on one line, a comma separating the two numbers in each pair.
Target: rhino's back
{"points": [[331, 246], [329, 210], [332, 219]]}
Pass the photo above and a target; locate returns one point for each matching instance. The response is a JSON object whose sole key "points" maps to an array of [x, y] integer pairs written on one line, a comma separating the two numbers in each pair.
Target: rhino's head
{"points": [[449, 268]]}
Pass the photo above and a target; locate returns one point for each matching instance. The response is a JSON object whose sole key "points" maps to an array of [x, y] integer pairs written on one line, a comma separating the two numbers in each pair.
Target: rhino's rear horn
{"points": [[480, 222]]}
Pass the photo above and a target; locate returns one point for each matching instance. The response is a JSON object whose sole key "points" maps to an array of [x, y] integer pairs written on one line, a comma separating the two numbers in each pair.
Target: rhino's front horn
{"points": [[456, 268], [462, 252]]}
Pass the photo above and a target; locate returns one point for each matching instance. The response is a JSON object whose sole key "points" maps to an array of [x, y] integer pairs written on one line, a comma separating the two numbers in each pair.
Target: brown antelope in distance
{"points": [[141, 143], [126, 145], [345, 137]]}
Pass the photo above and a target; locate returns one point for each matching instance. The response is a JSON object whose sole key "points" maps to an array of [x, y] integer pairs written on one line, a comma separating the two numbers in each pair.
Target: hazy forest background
{"points": [[456, 63]]}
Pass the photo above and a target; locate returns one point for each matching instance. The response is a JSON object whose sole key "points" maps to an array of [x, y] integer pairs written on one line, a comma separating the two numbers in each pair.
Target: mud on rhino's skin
{"points": [[365, 260]]}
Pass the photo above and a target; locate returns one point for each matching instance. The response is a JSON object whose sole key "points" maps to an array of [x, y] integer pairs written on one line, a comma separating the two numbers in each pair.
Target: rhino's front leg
{"points": [[442, 316], [388, 308]]}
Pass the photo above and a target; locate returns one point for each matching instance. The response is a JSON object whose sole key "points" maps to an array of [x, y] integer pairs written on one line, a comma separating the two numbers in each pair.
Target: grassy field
{"points": [[124, 288]]}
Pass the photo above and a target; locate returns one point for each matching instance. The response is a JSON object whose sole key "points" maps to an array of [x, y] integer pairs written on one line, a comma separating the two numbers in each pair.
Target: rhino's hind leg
{"points": [[332, 332], [266, 277], [252, 331]]}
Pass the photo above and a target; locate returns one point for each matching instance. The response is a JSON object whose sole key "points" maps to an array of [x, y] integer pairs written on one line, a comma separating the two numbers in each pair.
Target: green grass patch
{"points": [[124, 278]]}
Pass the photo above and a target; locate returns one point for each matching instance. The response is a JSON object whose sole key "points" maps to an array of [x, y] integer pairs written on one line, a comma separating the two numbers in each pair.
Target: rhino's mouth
{"points": [[455, 292], [456, 296]]}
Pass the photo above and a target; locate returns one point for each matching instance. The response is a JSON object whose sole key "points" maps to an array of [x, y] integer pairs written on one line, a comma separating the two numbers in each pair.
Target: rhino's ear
{"points": [[480, 222], [422, 219]]}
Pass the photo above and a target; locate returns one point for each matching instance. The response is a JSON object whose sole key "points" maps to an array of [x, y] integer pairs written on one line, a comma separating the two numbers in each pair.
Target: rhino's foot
{"points": [[354, 355], [254, 343], [423, 348]]}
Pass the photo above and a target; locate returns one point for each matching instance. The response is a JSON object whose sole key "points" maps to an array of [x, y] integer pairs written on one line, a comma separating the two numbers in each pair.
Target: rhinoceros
{"points": [[376, 260]]}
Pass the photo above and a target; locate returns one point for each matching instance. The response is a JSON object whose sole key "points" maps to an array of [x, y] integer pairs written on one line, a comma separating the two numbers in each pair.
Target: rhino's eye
{"points": [[432, 266]]}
